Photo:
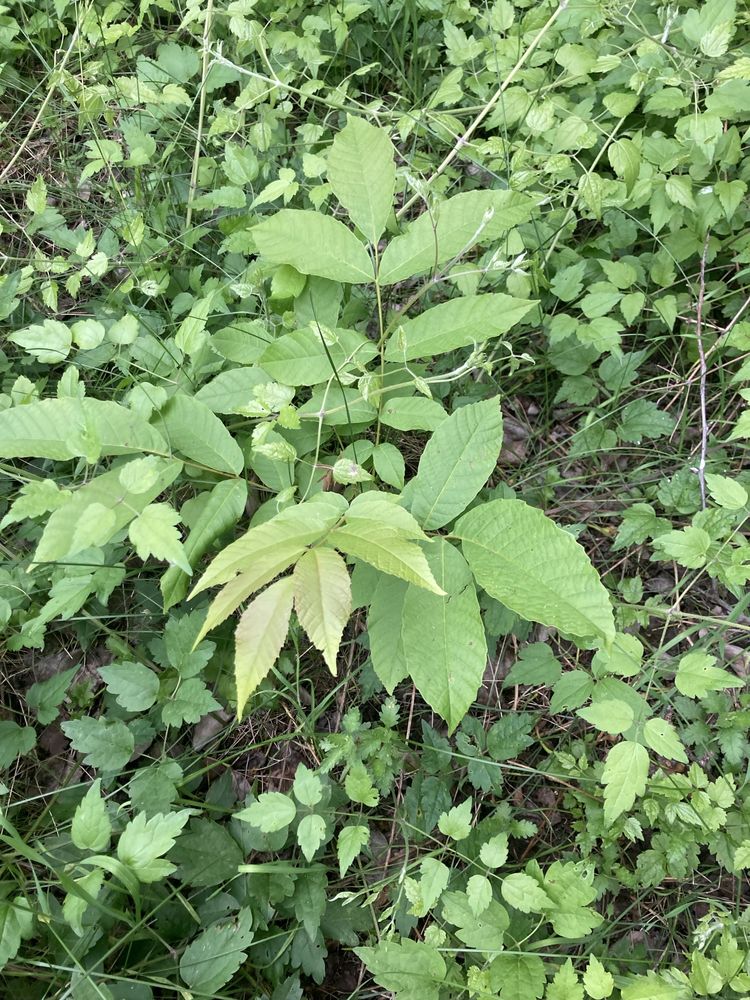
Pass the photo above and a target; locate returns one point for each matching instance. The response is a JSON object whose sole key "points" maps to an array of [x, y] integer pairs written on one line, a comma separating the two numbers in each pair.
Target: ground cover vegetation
{"points": [[373, 415]]}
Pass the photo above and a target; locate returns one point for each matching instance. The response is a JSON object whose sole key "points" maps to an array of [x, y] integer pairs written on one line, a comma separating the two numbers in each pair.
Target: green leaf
{"points": [[15, 741], [311, 834], [524, 893], [597, 982], [662, 737], [61, 537], [259, 637], [624, 778], [389, 465], [458, 460], [49, 342], [45, 697], [384, 620], [608, 716], [386, 549], [272, 812], [688, 547], [314, 244], [451, 228], [494, 853], [135, 686], [697, 675], [107, 745], [153, 533], [521, 558], [222, 509], [313, 355], [61, 429], [192, 336], [207, 854], [16, 925], [323, 600], [91, 827], [409, 969], [307, 787], [293, 528], [462, 322], [412, 413], [189, 702], [456, 823], [625, 159], [191, 428], [727, 493], [518, 976], [573, 688], [362, 175], [351, 840], [444, 645], [565, 984], [36, 196], [143, 842], [426, 892], [211, 960], [74, 906], [536, 665], [479, 893], [643, 419]]}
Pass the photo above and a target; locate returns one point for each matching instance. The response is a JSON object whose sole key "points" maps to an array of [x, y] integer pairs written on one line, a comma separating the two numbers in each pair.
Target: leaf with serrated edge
{"points": [[259, 637], [362, 175], [387, 550], [314, 244], [458, 460], [450, 228], [624, 778], [300, 525], [233, 594], [323, 600], [443, 638], [192, 429], [523, 559], [223, 508], [462, 322]]}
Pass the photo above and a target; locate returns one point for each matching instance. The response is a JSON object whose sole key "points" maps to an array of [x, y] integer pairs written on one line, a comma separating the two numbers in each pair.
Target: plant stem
{"points": [[201, 114]]}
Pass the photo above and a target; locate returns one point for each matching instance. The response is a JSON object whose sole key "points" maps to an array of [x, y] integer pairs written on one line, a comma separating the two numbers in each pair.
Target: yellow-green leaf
{"points": [[323, 600], [259, 637]]}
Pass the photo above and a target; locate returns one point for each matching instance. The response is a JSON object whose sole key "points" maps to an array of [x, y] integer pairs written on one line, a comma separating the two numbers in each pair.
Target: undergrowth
{"points": [[374, 549]]}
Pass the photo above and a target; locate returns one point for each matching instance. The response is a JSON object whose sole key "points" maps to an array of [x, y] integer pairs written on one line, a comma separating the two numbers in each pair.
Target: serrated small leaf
{"points": [[153, 533], [624, 778], [608, 716], [310, 834], [597, 982], [351, 840], [662, 737], [273, 811], [524, 893], [456, 823], [91, 828]]}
